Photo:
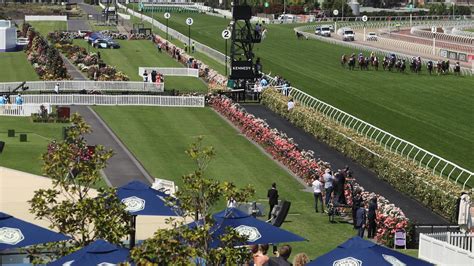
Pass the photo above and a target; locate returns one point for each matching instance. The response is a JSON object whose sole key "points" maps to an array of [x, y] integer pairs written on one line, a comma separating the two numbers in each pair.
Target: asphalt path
{"points": [[366, 178]]}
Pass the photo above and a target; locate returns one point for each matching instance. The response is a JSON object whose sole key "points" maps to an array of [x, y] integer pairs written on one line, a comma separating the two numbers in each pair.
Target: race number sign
{"points": [[189, 21], [364, 18], [167, 15], [226, 34], [335, 12]]}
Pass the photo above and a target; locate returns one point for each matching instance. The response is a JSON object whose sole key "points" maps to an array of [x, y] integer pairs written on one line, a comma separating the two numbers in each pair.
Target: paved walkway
{"points": [[75, 73], [366, 178], [122, 167]]}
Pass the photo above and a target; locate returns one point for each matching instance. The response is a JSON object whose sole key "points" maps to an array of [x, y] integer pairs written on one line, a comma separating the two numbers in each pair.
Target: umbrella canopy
{"points": [[357, 251], [258, 232], [141, 199], [99, 252], [16, 233]]}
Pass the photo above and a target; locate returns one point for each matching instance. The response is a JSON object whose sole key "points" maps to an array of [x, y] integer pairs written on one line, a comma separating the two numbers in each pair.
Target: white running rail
{"points": [[22, 110], [388, 141], [82, 99], [447, 248], [88, 85]]}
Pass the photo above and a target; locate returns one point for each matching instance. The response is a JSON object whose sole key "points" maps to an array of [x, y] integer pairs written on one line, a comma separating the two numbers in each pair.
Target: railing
{"points": [[87, 85], [305, 31], [422, 32], [447, 248], [388, 141], [22, 110], [170, 71], [460, 30], [71, 99]]}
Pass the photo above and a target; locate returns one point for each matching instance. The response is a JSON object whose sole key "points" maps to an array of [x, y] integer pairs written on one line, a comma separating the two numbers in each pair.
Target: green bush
{"points": [[432, 191]]}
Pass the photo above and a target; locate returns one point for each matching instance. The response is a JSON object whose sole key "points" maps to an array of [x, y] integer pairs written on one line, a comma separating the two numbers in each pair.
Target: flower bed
{"points": [[431, 190], [45, 59], [88, 63], [304, 165]]}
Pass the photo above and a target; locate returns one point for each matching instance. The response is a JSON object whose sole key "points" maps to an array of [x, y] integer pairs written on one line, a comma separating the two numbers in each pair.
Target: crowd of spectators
{"points": [[281, 257]]}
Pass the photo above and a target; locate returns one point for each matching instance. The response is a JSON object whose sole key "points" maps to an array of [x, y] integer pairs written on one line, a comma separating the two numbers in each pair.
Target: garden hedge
{"points": [[431, 190]]}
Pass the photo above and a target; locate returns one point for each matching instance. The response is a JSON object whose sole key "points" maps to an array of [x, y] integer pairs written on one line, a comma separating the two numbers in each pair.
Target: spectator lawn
{"points": [[45, 27], [159, 136], [142, 53], [16, 67], [434, 112]]}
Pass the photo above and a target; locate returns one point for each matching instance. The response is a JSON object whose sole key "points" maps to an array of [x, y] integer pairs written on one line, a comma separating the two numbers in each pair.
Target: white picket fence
{"points": [[447, 248], [88, 85], [22, 110], [71, 99], [388, 141], [170, 71]]}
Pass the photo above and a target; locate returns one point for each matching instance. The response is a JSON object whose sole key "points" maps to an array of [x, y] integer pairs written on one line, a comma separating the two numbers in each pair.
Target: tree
{"points": [[330, 5], [197, 196], [71, 206]]}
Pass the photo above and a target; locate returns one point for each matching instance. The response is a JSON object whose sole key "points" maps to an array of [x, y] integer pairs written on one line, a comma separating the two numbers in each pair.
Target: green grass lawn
{"points": [[142, 53], [434, 112], [26, 156], [158, 138], [45, 27], [19, 69]]}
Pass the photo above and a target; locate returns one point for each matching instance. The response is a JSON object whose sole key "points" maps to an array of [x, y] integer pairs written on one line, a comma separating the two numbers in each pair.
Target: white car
{"points": [[371, 36], [286, 18], [348, 35]]}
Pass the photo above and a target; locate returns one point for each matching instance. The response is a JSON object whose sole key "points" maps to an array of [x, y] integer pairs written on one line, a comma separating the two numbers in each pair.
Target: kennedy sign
{"points": [[242, 70]]}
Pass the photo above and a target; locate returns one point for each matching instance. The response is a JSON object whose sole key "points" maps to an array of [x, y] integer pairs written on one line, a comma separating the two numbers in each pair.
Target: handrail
{"points": [[385, 139], [87, 85]]}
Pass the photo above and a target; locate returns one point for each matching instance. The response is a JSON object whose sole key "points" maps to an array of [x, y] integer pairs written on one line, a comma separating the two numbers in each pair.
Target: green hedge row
{"points": [[433, 191]]}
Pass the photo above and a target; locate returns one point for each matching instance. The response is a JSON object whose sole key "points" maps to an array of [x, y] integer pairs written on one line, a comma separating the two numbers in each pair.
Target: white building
{"points": [[7, 36]]}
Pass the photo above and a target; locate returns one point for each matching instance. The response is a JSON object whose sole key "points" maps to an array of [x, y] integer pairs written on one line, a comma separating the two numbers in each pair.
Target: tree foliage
{"points": [[182, 244], [72, 206]]}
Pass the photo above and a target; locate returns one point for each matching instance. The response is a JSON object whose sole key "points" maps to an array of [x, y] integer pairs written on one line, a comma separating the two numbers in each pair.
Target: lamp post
{"points": [[189, 22], [152, 16], [226, 34]]}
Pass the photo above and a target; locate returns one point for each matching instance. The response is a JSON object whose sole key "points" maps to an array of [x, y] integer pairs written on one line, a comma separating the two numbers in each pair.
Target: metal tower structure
{"points": [[244, 36], [110, 12]]}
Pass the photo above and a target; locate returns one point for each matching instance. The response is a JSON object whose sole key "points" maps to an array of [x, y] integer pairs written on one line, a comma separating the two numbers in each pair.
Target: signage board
{"points": [[242, 70]]}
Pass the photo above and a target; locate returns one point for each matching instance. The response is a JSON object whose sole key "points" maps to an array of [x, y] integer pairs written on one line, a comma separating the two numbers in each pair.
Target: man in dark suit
{"points": [[284, 253], [371, 216], [360, 220], [272, 198]]}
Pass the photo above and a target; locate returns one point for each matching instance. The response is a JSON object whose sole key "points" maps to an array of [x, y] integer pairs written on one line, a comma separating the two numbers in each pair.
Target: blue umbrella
{"points": [[258, 232], [141, 199], [16, 233], [98, 252], [357, 251]]}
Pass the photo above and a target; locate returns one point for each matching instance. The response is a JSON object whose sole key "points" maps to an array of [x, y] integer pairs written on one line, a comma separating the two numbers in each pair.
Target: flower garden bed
{"points": [[45, 59], [404, 175], [304, 165], [88, 63]]}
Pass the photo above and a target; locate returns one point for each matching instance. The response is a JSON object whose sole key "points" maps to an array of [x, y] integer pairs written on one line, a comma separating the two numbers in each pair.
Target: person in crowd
{"points": [[356, 201], [318, 194], [193, 47], [291, 104], [259, 254], [231, 203], [464, 217], [145, 76], [272, 196], [284, 253], [458, 201], [56, 88], [300, 259], [98, 55], [371, 216], [19, 100], [153, 75], [360, 220], [328, 179], [185, 47], [338, 186], [158, 46]]}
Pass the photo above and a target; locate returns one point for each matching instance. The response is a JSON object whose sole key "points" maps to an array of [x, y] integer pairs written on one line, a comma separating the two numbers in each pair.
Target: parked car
{"points": [[371, 36], [348, 35], [286, 18], [106, 43]]}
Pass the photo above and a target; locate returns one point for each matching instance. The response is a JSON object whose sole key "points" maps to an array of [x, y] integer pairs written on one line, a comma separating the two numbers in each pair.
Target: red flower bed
{"points": [[303, 164]]}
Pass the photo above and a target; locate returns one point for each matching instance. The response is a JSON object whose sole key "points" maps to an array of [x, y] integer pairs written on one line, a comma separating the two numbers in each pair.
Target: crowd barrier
{"points": [[423, 31], [45, 18], [447, 248], [170, 71], [87, 85], [22, 110]]}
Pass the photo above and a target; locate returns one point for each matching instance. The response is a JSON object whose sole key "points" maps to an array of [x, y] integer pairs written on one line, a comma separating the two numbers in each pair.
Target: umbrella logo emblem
{"points": [[394, 261], [252, 233], [11, 236], [349, 261], [134, 204]]}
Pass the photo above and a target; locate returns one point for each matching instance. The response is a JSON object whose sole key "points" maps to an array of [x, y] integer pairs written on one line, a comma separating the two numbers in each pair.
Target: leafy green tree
{"points": [[181, 244], [71, 206], [330, 5]]}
